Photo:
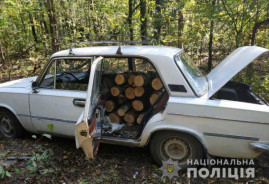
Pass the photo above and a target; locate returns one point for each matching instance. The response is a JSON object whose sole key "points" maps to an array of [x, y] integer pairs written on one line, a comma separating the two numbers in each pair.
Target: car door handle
{"points": [[79, 102]]}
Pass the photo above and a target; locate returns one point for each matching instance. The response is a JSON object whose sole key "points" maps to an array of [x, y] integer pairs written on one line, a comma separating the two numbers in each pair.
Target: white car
{"points": [[193, 115]]}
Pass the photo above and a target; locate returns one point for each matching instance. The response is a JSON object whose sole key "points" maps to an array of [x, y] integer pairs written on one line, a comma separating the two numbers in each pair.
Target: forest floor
{"points": [[57, 160]]}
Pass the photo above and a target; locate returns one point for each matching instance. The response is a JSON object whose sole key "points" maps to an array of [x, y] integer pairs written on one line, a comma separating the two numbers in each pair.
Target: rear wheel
{"points": [[10, 127], [177, 146]]}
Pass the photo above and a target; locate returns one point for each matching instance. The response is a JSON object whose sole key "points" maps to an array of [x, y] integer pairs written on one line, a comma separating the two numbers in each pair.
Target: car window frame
{"points": [[42, 75]]}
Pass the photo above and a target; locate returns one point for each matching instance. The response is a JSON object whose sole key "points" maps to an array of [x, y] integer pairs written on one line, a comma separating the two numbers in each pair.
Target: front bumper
{"points": [[260, 147]]}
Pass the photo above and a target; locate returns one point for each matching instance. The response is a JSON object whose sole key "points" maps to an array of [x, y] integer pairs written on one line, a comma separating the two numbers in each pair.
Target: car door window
{"points": [[67, 74]]}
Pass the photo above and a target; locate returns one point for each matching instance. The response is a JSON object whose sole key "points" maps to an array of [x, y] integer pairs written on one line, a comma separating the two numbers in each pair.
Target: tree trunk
{"points": [[33, 27], [52, 24], [130, 17], [180, 28], [143, 20], [257, 25], [158, 20], [211, 34]]}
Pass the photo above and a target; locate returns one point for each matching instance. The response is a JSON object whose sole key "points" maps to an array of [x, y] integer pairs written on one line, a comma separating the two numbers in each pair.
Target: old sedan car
{"points": [[140, 95]]}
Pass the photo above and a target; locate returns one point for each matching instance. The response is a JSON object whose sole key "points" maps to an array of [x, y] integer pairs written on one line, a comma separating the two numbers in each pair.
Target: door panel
{"points": [[55, 107], [88, 127]]}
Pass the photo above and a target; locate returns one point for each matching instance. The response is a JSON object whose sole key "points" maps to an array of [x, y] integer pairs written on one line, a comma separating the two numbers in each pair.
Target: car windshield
{"points": [[194, 76]]}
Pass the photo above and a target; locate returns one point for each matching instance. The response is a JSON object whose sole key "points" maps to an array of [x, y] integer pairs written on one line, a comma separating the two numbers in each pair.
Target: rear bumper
{"points": [[260, 147]]}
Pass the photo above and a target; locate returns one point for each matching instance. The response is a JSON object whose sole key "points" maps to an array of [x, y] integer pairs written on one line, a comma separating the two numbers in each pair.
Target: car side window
{"points": [[68, 74]]}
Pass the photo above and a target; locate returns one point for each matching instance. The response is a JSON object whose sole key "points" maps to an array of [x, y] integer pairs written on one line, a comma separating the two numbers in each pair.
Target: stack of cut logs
{"points": [[130, 95]]}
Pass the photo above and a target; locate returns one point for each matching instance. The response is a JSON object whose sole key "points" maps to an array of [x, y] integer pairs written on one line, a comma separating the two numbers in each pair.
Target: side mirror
{"points": [[34, 84]]}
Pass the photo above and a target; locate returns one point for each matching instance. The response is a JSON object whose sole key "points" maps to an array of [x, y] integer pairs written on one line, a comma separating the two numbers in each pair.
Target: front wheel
{"points": [[10, 127], [177, 146]]}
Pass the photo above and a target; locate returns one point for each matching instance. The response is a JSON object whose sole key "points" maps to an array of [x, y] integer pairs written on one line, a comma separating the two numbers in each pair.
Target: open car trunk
{"points": [[237, 91]]}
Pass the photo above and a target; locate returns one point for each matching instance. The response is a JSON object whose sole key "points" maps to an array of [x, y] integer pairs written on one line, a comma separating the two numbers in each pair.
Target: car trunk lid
{"points": [[231, 65]]}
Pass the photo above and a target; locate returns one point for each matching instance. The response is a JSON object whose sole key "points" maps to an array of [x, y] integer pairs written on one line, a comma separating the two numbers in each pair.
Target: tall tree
{"points": [[143, 19], [211, 34], [130, 22]]}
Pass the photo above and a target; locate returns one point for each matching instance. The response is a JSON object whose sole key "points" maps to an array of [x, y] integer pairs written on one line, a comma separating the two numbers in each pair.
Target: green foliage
{"points": [[4, 173], [31, 30], [40, 163]]}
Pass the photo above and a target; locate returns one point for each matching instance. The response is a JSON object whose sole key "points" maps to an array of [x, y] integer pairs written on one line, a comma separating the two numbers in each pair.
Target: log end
{"points": [[157, 84]]}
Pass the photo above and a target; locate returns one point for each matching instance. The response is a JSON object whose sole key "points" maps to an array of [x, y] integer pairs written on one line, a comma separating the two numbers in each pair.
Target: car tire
{"points": [[10, 127], [177, 146]]}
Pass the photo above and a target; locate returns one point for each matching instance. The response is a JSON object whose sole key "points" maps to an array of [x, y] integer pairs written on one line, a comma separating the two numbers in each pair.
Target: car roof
{"points": [[125, 50]]}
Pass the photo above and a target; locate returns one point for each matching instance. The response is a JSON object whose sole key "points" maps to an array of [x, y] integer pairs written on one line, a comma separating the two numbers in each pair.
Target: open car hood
{"points": [[232, 65]]}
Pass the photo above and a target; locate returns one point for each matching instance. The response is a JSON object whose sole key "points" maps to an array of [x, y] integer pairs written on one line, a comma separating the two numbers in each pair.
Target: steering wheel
{"points": [[70, 74]]}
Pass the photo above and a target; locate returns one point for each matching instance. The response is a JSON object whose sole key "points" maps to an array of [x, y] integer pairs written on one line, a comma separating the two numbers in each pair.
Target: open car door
{"points": [[88, 127]]}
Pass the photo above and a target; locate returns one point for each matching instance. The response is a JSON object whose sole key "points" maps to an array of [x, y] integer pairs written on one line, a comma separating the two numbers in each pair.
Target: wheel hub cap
{"points": [[6, 126], [176, 149]]}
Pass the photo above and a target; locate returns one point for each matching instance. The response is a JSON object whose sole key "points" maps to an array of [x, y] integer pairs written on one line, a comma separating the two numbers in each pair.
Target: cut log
{"points": [[131, 79], [120, 78], [137, 105], [123, 109], [114, 118], [110, 106], [140, 117], [130, 116], [153, 97], [142, 80], [139, 91], [129, 93], [121, 99], [116, 90], [157, 84]]}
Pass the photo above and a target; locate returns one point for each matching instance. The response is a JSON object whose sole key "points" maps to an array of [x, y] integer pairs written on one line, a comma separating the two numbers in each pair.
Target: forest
{"points": [[208, 30], [32, 30]]}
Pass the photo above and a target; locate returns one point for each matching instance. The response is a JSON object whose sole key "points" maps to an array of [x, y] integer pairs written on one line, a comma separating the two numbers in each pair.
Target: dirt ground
{"points": [[58, 161]]}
